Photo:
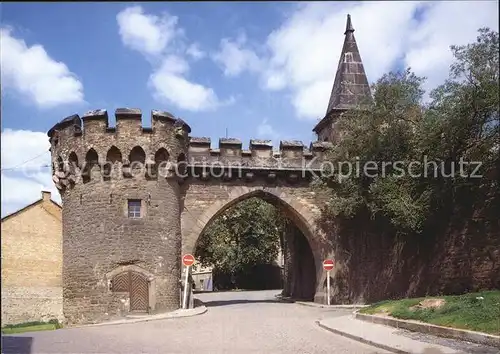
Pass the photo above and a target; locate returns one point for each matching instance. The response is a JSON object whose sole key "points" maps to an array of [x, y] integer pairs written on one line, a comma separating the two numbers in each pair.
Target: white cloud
{"points": [[195, 52], [305, 49], [234, 58], [31, 72], [266, 130], [306, 102], [19, 146], [174, 64], [169, 84], [274, 80], [148, 34], [446, 23], [156, 37], [23, 182], [303, 53]]}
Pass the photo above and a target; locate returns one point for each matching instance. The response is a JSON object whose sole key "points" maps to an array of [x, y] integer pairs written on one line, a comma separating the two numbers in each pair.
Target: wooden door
{"points": [[136, 285], [139, 293]]}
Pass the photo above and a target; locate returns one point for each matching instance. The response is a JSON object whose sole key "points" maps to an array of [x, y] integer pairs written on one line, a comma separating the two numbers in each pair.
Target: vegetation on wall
{"points": [[431, 161], [243, 236], [457, 121]]}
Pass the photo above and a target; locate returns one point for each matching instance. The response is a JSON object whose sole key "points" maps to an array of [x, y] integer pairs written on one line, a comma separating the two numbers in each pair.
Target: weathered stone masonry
{"points": [[113, 264], [106, 254], [98, 237]]}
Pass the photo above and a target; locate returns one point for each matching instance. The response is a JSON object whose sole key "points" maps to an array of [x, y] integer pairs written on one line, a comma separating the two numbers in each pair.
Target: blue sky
{"points": [[116, 76], [261, 70]]}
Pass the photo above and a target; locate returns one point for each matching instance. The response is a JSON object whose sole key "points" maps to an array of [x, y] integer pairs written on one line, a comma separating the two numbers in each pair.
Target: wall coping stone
{"points": [[446, 332]]}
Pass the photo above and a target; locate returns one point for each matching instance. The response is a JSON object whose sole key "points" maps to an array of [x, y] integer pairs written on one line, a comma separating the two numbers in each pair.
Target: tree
{"points": [[460, 123], [244, 235]]}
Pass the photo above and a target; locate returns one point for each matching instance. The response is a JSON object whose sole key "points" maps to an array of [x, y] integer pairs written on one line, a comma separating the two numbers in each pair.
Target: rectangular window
{"points": [[134, 208]]}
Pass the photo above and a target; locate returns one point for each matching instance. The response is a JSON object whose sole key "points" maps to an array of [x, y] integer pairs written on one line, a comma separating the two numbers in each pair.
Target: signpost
{"points": [[328, 265], [187, 261]]}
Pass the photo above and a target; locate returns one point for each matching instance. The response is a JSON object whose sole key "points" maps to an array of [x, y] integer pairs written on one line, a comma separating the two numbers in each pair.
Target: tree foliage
{"points": [[458, 121], [244, 235]]}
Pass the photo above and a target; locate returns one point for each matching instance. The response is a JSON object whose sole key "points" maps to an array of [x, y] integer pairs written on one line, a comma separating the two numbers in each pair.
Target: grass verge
{"points": [[474, 311], [31, 327]]}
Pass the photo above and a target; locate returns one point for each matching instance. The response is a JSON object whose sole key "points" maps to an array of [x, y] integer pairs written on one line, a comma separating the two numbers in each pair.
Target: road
{"points": [[236, 322]]}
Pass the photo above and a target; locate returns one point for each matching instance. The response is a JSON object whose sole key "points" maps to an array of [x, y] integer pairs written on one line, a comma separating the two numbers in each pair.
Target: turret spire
{"points": [[348, 26], [350, 88]]}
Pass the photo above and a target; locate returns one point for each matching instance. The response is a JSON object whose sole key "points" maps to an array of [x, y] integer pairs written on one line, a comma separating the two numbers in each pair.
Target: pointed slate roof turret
{"points": [[350, 88]]}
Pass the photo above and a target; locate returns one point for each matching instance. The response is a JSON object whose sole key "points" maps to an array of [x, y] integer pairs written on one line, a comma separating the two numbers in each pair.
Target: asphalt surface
{"points": [[236, 322]]}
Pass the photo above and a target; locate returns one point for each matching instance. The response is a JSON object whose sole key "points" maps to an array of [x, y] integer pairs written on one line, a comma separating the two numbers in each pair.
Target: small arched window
{"points": [[182, 164], [60, 164], [91, 160], [137, 154], [161, 155], [114, 155], [73, 162]]}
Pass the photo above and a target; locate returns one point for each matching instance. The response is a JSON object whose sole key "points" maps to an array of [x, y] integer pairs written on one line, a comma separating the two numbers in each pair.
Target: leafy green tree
{"points": [[244, 235], [461, 122]]}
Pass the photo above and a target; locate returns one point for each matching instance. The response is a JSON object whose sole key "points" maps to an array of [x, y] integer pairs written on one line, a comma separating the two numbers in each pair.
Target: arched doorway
{"points": [[137, 287], [300, 263]]}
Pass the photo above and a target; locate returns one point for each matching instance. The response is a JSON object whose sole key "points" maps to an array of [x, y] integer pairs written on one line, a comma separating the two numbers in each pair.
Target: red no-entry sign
{"points": [[328, 264], [188, 260]]}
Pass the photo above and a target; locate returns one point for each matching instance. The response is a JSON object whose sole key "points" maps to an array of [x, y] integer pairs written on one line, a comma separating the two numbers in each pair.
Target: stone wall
{"points": [[95, 171], [93, 167], [32, 264], [299, 266], [460, 254]]}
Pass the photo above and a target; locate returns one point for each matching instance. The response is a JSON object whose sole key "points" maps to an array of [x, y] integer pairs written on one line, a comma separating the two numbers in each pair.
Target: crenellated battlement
{"points": [[128, 120], [230, 151], [87, 148]]}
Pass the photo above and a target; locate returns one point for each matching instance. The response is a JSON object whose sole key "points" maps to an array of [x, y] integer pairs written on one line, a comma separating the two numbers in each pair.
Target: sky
{"points": [[256, 70]]}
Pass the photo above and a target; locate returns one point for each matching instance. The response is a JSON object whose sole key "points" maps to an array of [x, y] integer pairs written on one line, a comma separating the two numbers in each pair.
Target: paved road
{"points": [[236, 322]]}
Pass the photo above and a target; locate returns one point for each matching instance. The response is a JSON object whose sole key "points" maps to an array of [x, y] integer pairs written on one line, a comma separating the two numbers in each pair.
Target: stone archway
{"points": [[302, 213]]}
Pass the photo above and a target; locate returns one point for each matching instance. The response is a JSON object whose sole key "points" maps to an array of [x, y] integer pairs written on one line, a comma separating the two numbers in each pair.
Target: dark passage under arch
{"points": [[293, 271]]}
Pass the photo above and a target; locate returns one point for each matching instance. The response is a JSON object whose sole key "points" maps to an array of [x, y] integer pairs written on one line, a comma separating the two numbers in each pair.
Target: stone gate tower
{"points": [[115, 259], [129, 209]]}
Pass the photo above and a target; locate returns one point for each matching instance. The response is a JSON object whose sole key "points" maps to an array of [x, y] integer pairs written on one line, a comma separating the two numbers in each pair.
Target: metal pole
{"points": [[328, 287], [184, 302]]}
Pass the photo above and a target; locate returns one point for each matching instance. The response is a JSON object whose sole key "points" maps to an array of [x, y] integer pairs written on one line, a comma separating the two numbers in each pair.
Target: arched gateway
{"points": [[134, 198], [200, 209], [127, 221]]}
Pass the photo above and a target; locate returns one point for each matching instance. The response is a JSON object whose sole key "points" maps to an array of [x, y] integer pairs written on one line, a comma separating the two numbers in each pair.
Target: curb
{"points": [[169, 315], [313, 304], [284, 299], [322, 306], [362, 340], [440, 331]]}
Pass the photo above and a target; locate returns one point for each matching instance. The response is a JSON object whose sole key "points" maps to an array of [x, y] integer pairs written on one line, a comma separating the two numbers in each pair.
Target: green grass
{"points": [[31, 327], [461, 311]]}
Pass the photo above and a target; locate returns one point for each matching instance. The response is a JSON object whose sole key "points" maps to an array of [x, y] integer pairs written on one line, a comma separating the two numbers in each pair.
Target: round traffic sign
{"points": [[328, 264], [188, 260]]}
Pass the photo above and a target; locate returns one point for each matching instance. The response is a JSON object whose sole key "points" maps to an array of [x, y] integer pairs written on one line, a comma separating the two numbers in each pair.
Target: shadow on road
{"points": [[236, 302], [16, 345]]}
